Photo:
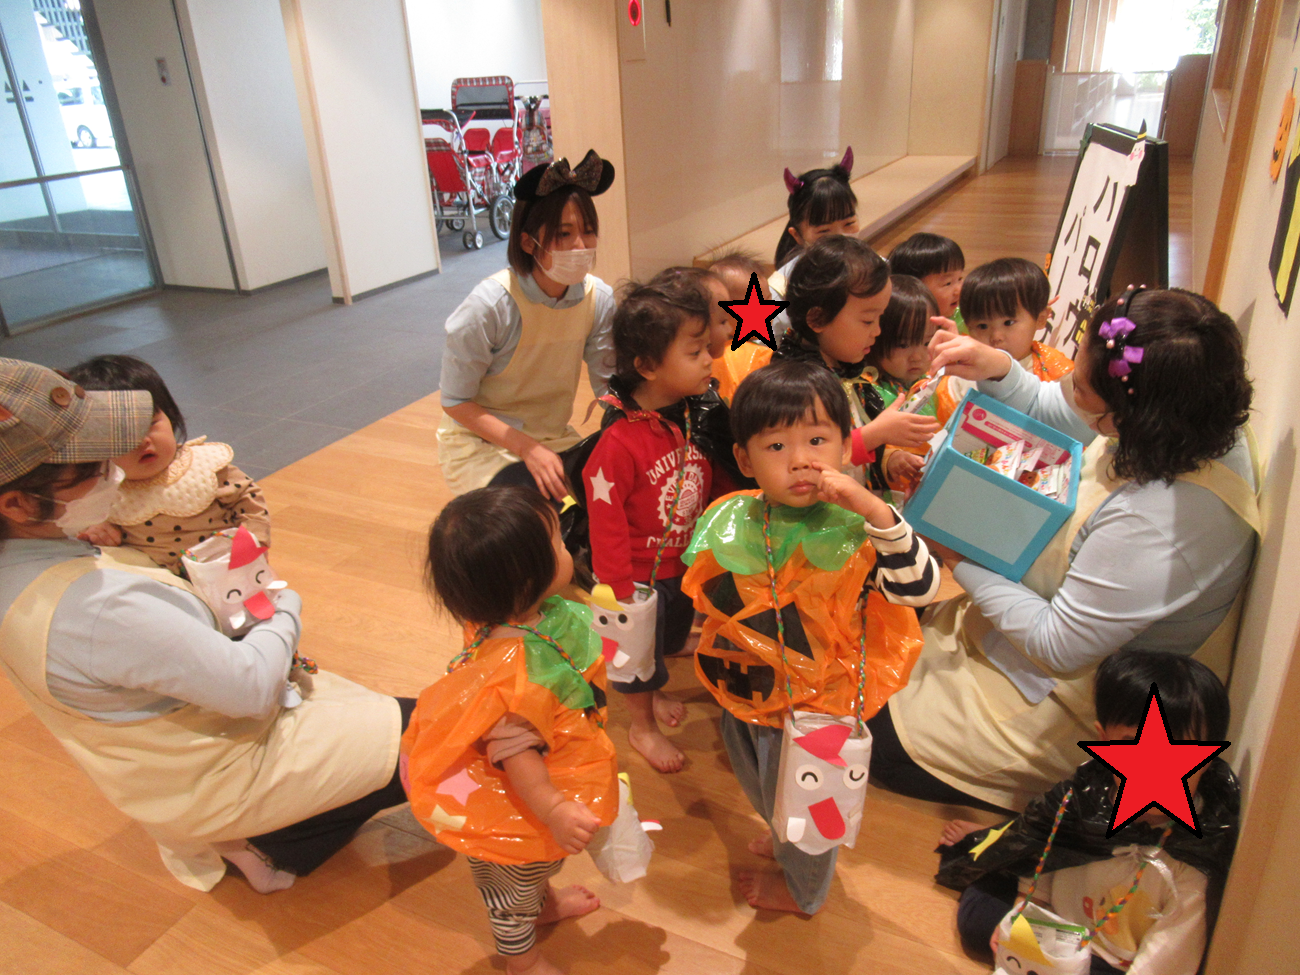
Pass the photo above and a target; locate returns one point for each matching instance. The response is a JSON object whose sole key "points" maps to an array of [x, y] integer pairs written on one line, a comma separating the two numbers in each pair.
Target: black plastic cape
{"points": [[1082, 837]]}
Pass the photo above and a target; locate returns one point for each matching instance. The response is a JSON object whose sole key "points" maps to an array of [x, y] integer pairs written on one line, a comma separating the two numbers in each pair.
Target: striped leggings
{"points": [[514, 894]]}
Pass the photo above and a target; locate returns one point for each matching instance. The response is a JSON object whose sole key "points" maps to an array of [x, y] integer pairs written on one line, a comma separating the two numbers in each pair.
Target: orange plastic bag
{"points": [[466, 802], [738, 658]]}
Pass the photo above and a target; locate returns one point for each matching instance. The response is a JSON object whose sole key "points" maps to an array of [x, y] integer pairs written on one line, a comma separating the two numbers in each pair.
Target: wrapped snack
{"points": [[1006, 459], [921, 394]]}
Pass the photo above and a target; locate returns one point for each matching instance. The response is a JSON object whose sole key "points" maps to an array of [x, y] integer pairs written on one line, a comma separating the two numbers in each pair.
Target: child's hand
{"points": [[572, 824], [900, 429], [904, 468], [840, 489], [104, 535]]}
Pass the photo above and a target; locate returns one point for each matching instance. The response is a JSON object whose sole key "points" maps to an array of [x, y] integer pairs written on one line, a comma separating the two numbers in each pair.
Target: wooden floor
{"points": [[82, 889]]}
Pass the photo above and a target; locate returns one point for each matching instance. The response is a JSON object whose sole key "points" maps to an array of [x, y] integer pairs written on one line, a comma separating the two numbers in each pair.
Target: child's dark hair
{"points": [[783, 393], [999, 289], [923, 254], [904, 321], [110, 372], [740, 262], [1193, 700], [646, 324], [540, 220], [1188, 344], [824, 197], [831, 270], [695, 277], [490, 553]]}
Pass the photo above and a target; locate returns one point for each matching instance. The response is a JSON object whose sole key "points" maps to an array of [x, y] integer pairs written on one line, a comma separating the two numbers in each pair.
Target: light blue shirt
{"points": [[1156, 566], [483, 333], [123, 647]]}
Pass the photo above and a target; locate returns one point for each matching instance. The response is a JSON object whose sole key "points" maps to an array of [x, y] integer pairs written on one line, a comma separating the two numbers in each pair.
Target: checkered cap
{"points": [[46, 418]]}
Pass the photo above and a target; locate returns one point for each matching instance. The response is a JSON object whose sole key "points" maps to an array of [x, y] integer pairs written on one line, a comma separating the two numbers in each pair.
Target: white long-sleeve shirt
{"points": [[1155, 567], [123, 647]]}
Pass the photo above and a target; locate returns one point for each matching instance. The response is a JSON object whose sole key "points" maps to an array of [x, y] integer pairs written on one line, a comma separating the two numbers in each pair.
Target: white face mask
{"points": [[93, 507], [570, 267]]}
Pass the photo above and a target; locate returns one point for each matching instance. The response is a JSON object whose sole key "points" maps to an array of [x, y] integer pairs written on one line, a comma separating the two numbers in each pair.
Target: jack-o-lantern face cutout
{"points": [[822, 782], [1283, 136]]}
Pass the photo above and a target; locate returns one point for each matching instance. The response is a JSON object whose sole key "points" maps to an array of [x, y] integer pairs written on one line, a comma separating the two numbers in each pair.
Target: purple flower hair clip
{"points": [[1116, 333]]}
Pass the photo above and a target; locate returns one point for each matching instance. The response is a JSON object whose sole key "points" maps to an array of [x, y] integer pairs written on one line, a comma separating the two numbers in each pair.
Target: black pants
{"points": [[894, 769], [981, 909], [302, 847]]}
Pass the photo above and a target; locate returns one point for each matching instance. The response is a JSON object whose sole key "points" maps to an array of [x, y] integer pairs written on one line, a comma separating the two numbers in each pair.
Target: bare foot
{"points": [[255, 866], [766, 891], [530, 963], [668, 710], [956, 830], [573, 901], [762, 846], [661, 753]]}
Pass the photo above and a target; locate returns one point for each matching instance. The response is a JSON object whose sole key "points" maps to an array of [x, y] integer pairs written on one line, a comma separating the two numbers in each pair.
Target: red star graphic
{"points": [[753, 315], [1154, 769]]}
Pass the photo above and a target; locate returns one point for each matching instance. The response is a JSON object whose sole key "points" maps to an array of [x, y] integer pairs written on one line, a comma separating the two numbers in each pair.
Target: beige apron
{"points": [[964, 721], [194, 777], [537, 387], [776, 284]]}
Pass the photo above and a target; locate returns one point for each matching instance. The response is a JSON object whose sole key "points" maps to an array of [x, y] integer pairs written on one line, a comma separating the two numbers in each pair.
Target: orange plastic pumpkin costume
{"points": [[1046, 362], [467, 803], [822, 558], [735, 364]]}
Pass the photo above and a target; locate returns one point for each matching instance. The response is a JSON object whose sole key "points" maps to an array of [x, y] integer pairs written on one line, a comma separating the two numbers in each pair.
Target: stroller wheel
{"points": [[499, 216], [456, 225], [473, 241]]}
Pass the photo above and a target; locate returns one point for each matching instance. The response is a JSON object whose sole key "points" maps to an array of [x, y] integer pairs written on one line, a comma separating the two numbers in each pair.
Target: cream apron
{"points": [[964, 721], [776, 284], [194, 777], [537, 387]]}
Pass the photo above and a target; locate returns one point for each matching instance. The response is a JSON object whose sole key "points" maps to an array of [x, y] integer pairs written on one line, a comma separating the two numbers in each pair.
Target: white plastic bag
{"points": [[822, 781], [1039, 941], [628, 633], [622, 849]]}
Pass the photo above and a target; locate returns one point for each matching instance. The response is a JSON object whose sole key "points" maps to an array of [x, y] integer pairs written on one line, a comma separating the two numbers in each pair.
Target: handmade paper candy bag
{"points": [[622, 849], [627, 632], [230, 573], [1040, 941], [822, 781]]}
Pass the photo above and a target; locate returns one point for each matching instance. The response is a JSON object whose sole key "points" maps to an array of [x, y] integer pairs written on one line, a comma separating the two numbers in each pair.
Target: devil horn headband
{"points": [[793, 184]]}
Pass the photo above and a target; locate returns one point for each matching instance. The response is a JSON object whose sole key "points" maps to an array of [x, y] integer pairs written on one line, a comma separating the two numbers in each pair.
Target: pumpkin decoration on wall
{"points": [[1283, 133]]}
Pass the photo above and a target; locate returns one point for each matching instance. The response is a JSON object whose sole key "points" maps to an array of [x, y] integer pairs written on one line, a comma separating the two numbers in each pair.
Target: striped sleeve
{"points": [[905, 572]]}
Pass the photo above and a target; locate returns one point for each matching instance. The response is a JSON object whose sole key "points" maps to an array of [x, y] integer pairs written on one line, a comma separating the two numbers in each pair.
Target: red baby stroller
{"points": [[465, 183]]}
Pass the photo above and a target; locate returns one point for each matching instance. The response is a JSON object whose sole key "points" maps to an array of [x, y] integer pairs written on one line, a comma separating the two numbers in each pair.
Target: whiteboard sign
{"points": [[1087, 237]]}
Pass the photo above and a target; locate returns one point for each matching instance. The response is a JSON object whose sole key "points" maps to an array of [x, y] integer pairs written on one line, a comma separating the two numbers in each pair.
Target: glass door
{"points": [[70, 236]]}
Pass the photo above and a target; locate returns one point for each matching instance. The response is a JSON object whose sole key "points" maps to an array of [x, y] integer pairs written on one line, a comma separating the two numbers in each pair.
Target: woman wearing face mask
{"points": [[1155, 556], [180, 727], [515, 346]]}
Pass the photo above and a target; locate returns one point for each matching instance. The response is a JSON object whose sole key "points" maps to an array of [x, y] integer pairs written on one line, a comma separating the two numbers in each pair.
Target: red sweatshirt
{"points": [[630, 480]]}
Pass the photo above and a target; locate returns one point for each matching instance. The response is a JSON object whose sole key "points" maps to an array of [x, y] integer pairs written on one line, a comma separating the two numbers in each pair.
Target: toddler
{"points": [[815, 544], [940, 265], [1159, 928], [737, 269], [901, 353], [821, 203], [506, 758], [647, 482], [837, 293], [176, 492], [1004, 304]]}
